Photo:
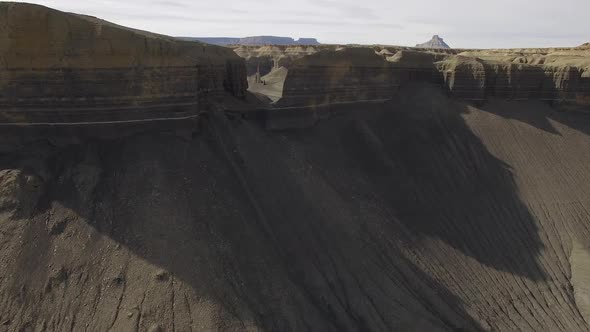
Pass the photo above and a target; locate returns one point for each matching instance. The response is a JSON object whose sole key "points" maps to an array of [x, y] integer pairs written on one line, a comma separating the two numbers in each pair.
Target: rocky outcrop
{"points": [[356, 74], [84, 69], [347, 75], [435, 42], [268, 58], [476, 79]]}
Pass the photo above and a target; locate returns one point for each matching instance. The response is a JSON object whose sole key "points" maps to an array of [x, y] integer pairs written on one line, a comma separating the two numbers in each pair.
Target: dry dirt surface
{"points": [[424, 214]]}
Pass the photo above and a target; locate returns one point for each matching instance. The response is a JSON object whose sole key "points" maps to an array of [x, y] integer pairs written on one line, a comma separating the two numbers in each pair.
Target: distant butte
{"points": [[435, 42], [253, 41]]}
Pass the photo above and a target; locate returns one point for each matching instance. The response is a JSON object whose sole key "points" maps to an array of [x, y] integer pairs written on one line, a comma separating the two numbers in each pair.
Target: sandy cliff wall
{"points": [[356, 74], [55, 60], [352, 74], [474, 78]]}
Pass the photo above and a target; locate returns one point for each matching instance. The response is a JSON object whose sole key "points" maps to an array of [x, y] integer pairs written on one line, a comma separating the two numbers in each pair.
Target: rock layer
{"points": [[351, 74], [357, 73], [80, 66]]}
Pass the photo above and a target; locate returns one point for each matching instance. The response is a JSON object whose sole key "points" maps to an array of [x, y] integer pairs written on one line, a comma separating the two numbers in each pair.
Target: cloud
{"points": [[170, 4], [347, 9]]}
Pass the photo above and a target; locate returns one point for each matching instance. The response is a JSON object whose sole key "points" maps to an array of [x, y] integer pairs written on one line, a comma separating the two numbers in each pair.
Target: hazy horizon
{"points": [[462, 23]]}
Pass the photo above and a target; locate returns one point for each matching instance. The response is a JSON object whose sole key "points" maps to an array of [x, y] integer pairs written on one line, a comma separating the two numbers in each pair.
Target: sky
{"points": [[462, 23]]}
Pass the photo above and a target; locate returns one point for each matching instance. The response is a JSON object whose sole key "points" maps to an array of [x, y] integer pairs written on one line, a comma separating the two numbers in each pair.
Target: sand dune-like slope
{"points": [[425, 214]]}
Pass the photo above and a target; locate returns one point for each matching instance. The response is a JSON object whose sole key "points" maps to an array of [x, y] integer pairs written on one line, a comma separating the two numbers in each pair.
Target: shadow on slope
{"points": [[304, 229], [530, 112], [420, 161], [267, 256]]}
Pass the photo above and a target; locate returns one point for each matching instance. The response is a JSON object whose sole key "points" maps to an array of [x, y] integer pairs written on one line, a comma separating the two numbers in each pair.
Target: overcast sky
{"points": [[462, 23]]}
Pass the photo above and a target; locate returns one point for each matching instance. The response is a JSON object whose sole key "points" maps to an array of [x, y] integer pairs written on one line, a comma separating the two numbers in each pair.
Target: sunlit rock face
{"points": [[474, 78], [353, 74], [61, 61]]}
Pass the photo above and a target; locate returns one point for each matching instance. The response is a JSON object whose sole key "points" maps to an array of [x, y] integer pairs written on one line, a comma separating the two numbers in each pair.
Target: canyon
{"points": [[149, 183]]}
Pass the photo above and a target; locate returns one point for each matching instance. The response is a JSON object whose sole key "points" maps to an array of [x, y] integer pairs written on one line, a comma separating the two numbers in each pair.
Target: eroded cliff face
{"points": [[51, 60], [357, 74], [474, 78], [335, 76], [271, 57], [355, 71]]}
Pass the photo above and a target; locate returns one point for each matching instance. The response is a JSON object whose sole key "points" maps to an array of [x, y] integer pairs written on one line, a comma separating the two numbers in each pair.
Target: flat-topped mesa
{"points": [[85, 69], [253, 41]]}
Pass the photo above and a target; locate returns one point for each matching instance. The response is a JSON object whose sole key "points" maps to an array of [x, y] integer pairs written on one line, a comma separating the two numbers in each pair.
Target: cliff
{"points": [[271, 57], [81, 68], [335, 76], [356, 73], [474, 78], [353, 74]]}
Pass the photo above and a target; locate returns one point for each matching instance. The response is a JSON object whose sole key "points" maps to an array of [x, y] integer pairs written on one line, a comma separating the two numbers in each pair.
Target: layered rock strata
{"points": [[348, 75], [55, 65], [265, 59], [357, 74], [474, 78]]}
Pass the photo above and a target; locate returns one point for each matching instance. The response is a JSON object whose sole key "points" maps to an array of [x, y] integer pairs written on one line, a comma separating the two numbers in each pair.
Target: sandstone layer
{"points": [[347, 74], [84, 69]]}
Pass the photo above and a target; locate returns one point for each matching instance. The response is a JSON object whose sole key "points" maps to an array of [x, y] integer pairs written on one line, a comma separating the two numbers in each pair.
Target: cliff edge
{"points": [[81, 68]]}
